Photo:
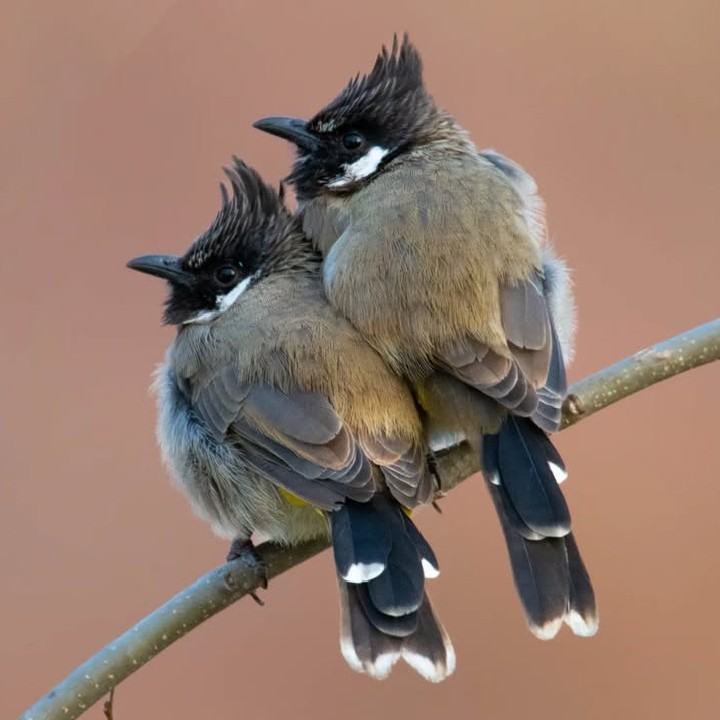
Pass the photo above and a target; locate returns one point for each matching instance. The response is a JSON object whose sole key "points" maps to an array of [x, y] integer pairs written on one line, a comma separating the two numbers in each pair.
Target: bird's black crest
{"points": [[253, 233], [392, 95], [247, 223]]}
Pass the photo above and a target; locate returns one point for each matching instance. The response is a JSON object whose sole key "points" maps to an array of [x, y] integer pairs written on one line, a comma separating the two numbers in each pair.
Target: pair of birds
{"points": [[411, 301]]}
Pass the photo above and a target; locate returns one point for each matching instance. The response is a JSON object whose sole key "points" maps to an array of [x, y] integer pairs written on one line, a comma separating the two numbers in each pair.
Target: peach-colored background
{"points": [[115, 120]]}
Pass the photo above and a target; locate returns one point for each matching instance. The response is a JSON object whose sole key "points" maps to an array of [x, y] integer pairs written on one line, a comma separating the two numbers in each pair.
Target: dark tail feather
{"points": [[582, 615], [522, 460], [386, 616], [430, 565], [427, 649], [549, 574], [365, 648], [396, 625], [540, 571], [361, 541]]}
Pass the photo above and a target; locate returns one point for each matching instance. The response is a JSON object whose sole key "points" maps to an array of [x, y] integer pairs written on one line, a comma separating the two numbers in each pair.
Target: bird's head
{"points": [[376, 118], [252, 237]]}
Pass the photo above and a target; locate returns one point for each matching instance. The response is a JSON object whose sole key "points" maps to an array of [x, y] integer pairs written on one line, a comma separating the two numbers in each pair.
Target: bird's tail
{"points": [[523, 471], [382, 561]]}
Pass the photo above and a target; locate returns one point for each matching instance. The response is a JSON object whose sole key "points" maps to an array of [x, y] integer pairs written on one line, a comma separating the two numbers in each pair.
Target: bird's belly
{"points": [[290, 524]]}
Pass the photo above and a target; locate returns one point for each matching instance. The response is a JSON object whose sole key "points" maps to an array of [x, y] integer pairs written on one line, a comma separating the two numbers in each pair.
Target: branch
{"points": [[690, 349], [224, 585]]}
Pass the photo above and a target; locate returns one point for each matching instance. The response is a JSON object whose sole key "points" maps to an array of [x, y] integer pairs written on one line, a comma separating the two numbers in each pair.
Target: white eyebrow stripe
{"points": [[361, 168]]}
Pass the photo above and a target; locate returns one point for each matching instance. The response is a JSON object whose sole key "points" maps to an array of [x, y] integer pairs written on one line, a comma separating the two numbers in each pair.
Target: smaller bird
{"points": [[277, 418]]}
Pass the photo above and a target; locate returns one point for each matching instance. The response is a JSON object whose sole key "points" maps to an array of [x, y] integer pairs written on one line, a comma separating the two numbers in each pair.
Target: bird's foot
{"points": [[244, 549]]}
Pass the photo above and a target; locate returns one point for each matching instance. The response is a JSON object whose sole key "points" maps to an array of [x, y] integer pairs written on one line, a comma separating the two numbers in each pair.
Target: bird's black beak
{"points": [[292, 129], [162, 266]]}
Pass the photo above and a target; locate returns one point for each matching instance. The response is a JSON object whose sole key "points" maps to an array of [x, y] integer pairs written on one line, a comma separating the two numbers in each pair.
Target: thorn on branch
{"points": [[108, 705], [257, 598]]}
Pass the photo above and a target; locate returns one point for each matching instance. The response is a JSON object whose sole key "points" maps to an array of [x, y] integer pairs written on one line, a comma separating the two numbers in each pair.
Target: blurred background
{"points": [[116, 118]]}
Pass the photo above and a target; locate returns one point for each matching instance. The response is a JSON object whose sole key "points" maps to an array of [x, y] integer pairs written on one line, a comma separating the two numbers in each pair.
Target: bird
{"points": [[279, 421], [438, 255]]}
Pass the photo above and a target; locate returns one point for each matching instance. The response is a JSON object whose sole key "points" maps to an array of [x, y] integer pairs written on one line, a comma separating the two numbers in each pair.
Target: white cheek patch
{"points": [[362, 168], [222, 303]]}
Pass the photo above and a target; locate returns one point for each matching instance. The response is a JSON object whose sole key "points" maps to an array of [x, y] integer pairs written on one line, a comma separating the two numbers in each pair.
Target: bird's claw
{"points": [[243, 548], [432, 464]]}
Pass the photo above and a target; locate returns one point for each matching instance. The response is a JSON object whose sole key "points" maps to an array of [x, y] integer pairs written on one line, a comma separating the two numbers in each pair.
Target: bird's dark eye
{"points": [[226, 275], [353, 140]]}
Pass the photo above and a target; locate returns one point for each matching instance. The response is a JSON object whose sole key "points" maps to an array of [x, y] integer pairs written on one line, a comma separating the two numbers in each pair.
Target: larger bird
{"points": [[276, 417], [435, 253]]}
